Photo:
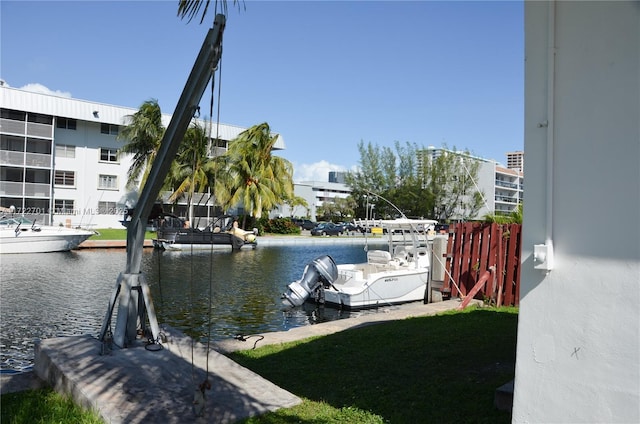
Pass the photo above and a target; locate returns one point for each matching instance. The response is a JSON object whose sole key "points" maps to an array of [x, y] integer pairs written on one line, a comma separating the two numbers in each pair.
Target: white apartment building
{"points": [[315, 193], [60, 160]]}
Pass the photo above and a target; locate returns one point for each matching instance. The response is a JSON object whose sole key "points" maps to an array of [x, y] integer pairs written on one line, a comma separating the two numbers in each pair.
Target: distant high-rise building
{"points": [[337, 177], [515, 160]]}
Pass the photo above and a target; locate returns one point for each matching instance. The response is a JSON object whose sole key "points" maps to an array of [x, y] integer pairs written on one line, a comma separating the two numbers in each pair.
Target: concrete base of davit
{"points": [[136, 385]]}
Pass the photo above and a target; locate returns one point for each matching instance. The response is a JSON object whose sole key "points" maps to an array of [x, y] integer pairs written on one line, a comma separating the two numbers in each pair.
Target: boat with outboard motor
{"points": [[173, 233], [394, 276], [21, 235]]}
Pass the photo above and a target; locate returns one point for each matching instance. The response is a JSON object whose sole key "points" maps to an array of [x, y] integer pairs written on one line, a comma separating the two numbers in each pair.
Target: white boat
{"points": [[20, 235], [397, 275]]}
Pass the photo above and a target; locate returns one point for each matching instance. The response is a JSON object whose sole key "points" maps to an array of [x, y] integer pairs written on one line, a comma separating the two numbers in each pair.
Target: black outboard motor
{"points": [[321, 269]]}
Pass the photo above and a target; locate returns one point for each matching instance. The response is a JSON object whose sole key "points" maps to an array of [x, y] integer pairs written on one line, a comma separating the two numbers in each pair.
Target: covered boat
{"points": [[174, 233], [397, 275]]}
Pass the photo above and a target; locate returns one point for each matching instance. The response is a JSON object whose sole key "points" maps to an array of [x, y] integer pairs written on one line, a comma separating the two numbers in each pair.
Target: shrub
{"points": [[281, 226]]}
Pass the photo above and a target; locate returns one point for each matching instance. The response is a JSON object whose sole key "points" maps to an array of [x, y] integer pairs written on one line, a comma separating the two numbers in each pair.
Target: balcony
{"points": [[10, 188], [506, 199], [37, 190], [40, 130], [9, 126], [8, 157], [500, 183], [38, 159]]}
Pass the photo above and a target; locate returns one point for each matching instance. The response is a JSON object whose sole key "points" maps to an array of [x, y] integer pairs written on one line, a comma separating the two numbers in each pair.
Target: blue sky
{"points": [[326, 75]]}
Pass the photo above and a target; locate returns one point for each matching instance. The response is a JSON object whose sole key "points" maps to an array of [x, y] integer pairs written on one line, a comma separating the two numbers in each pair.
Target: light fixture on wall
{"points": [[95, 114]]}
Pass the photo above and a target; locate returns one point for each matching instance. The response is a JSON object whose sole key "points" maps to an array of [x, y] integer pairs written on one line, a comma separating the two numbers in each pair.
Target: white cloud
{"points": [[318, 171], [35, 87]]}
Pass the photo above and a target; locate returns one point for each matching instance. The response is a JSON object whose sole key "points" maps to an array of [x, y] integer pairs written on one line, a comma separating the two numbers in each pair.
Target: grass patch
{"points": [[43, 406], [117, 234], [442, 369]]}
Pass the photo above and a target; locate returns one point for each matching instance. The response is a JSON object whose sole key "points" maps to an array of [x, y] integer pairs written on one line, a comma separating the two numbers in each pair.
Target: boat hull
{"points": [[384, 288], [43, 241], [166, 245]]}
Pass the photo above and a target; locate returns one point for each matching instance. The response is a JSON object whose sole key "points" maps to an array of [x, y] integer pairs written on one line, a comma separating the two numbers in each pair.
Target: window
{"points": [[65, 151], [63, 206], [108, 155], [218, 142], [108, 182], [66, 123], [12, 143], [36, 145], [15, 115], [40, 119], [109, 129], [65, 178], [107, 208], [38, 176], [10, 174]]}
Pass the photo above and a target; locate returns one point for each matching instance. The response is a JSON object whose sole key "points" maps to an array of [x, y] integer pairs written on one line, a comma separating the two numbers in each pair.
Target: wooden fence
{"points": [[483, 261]]}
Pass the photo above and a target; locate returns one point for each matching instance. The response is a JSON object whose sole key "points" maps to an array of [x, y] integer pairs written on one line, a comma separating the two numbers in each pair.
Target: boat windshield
{"points": [[21, 220]]}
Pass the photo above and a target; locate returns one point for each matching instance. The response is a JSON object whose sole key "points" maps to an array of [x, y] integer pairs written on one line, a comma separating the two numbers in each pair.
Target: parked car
{"points": [[348, 227], [327, 229], [305, 224], [441, 228]]}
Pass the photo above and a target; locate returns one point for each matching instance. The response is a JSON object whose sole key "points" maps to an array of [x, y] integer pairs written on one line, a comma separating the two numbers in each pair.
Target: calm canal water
{"points": [[63, 294]]}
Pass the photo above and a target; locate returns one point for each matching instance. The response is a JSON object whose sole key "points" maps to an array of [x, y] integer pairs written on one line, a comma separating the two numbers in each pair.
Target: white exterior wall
{"points": [[88, 167], [578, 349], [486, 183]]}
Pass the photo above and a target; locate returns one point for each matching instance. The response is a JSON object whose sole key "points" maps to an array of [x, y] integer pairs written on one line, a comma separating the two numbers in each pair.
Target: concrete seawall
{"points": [[262, 241]]}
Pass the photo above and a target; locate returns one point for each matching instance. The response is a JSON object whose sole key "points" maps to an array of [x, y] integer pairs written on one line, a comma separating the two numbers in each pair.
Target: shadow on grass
{"points": [[443, 368]]}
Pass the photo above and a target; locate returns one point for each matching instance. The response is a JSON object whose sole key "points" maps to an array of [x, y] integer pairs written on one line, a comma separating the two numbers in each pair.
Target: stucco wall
{"points": [[578, 353]]}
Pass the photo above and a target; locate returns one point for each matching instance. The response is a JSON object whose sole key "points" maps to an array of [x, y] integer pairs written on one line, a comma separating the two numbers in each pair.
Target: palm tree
{"points": [[190, 8], [193, 171], [252, 176], [142, 135]]}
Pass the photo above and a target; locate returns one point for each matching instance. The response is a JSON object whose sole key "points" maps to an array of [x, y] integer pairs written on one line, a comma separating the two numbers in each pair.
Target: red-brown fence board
{"points": [[474, 248]]}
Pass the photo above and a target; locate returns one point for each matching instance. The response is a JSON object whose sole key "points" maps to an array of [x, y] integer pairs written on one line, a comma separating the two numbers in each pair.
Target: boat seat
{"points": [[378, 257], [400, 255]]}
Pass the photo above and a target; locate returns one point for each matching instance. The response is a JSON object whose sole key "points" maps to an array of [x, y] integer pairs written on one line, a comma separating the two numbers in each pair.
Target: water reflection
{"points": [[208, 295]]}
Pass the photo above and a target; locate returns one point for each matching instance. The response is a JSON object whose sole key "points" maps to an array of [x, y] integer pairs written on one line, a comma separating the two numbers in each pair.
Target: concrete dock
{"points": [[137, 384]]}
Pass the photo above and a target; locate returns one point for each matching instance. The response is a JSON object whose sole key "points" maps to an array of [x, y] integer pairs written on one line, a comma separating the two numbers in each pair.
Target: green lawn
{"points": [[117, 234], [440, 369], [43, 406]]}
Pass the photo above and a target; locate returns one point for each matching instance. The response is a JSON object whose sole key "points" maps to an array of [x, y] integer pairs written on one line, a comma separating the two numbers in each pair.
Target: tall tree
{"points": [[142, 135], [450, 180], [252, 176], [441, 187]]}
